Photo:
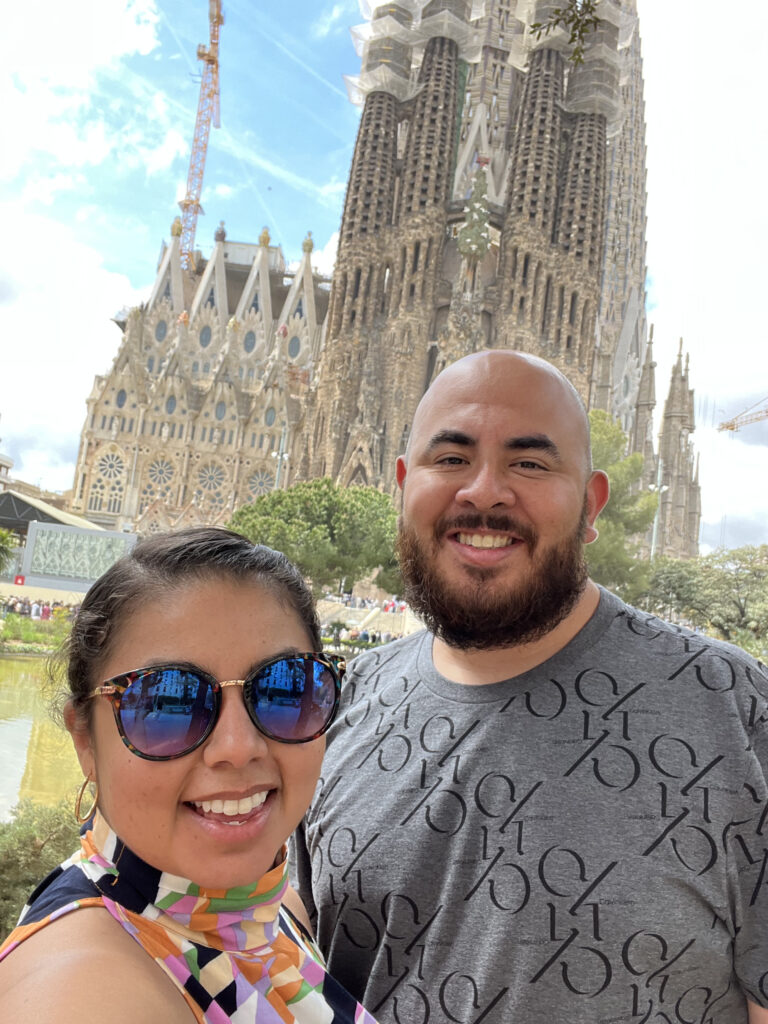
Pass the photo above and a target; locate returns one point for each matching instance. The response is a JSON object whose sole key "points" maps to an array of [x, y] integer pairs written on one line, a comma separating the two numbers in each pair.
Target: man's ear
{"points": [[79, 730], [400, 471], [598, 492]]}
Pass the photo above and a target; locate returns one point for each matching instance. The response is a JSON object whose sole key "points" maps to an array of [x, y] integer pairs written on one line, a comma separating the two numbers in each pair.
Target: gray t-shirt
{"points": [[586, 842]]}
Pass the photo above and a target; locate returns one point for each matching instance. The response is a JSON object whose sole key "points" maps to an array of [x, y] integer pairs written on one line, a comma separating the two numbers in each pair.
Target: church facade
{"points": [[496, 199], [197, 411]]}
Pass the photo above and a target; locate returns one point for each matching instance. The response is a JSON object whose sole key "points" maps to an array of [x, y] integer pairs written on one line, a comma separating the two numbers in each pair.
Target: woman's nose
{"points": [[235, 740]]}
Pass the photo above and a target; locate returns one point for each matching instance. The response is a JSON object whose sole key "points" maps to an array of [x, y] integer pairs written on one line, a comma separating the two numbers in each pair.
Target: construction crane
{"points": [[750, 415], [207, 112]]}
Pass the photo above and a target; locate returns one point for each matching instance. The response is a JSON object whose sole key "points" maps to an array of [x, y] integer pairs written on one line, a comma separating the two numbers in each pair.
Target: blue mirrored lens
{"points": [[292, 699], [166, 712]]}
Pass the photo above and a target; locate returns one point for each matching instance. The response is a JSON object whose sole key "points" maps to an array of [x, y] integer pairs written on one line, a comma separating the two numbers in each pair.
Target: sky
{"points": [[99, 106]]}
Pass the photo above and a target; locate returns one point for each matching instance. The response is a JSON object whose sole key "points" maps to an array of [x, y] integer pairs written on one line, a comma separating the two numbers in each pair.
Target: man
{"points": [[549, 808]]}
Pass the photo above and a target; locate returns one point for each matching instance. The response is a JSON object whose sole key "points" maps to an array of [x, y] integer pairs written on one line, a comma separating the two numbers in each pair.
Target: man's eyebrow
{"points": [[534, 442], [528, 442], [450, 437]]}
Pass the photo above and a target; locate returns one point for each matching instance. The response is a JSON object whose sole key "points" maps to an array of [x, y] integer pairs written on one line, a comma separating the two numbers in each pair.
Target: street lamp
{"points": [[660, 488], [281, 455]]}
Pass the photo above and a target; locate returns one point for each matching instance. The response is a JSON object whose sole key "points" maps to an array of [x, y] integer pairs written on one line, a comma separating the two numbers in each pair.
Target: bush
{"points": [[32, 843], [30, 631]]}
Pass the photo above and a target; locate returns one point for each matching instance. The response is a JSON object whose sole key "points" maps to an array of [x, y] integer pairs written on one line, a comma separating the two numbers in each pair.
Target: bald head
{"points": [[507, 378]]}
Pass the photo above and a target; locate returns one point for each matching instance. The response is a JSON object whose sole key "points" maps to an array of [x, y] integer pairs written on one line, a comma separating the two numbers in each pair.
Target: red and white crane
{"points": [[207, 112]]}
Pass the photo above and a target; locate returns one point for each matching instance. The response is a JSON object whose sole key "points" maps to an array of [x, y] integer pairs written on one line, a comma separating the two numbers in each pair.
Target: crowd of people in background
{"points": [[33, 608], [349, 600], [363, 636]]}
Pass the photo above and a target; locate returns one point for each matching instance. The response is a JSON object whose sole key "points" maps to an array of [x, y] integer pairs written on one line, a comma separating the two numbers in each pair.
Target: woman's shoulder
{"points": [[81, 959]]}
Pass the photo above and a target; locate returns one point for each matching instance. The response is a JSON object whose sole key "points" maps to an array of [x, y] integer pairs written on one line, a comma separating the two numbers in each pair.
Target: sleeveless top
{"points": [[235, 955]]}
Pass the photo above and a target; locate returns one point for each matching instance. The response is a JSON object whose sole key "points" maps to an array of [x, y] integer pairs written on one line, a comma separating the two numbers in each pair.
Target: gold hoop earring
{"points": [[82, 818]]}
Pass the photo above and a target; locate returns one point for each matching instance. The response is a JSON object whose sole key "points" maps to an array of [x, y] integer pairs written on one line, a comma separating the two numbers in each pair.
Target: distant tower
{"points": [[641, 437], [680, 497]]}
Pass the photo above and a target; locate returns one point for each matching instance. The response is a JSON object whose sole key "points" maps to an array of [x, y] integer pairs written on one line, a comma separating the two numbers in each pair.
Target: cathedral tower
{"points": [[373, 368], [475, 126]]}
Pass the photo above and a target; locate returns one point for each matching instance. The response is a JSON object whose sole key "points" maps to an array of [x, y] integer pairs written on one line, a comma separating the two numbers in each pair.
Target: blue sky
{"points": [[100, 100]]}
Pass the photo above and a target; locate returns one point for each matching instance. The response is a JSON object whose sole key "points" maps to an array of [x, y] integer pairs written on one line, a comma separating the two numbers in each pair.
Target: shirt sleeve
{"points": [[746, 844], [300, 870]]}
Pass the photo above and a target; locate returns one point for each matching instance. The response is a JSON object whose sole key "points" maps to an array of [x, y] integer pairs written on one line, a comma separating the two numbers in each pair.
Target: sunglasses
{"points": [[167, 711]]}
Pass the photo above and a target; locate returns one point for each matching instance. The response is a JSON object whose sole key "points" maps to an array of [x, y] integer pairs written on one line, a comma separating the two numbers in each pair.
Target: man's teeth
{"points": [[485, 540], [231, 807]]}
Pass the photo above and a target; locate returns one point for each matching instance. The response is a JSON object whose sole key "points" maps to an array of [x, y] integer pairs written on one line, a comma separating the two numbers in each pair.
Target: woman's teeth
{"points": [[231, 807]]}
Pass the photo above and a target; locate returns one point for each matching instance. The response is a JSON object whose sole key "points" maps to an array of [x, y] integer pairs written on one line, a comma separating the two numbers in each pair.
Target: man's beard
{"points": [[476, 613]]}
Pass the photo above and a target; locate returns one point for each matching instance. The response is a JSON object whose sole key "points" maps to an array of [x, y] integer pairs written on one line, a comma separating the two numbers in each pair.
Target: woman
{"points": [[198, 717]]}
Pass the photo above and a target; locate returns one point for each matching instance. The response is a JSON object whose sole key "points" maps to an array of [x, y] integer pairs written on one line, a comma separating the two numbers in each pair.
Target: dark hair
{"points": [[159, 564]]}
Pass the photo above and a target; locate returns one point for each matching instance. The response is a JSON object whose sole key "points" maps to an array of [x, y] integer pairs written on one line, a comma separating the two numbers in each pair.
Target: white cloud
{"points": [[43, 467], [45, 189], [65, 45], [55, 334], [161, 158], [333, 190], [733, 475], [54, 81], [706, 166], [324, 259], [335, 17]]}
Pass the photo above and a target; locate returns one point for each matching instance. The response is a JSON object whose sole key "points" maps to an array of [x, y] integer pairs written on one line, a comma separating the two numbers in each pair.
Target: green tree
{"points": [[613, 558], [7, 545], [32, 843], [336, 535], [724, 593], [578, 17]]}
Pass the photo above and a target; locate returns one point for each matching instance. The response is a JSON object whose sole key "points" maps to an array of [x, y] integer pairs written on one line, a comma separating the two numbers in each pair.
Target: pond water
{"points": [[37, 759]]}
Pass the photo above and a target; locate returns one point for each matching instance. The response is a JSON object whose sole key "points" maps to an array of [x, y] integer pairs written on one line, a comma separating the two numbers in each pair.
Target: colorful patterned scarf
{"points": [[232, 953]]}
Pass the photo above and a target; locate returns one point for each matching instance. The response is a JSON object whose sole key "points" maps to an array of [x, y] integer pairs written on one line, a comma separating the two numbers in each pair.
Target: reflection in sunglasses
{"points": [[167, 711]]}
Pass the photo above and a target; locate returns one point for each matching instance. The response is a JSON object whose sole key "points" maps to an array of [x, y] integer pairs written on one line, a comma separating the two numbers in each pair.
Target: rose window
{"points": [[110, 466], [211, 477], [259, 483], [161, 472]]}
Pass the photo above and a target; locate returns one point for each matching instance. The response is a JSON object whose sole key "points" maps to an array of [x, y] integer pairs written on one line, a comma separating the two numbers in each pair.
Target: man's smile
{"points": [[486, 540]]}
